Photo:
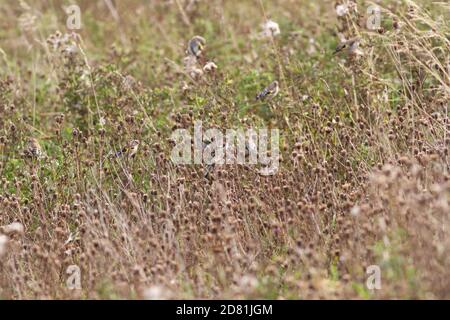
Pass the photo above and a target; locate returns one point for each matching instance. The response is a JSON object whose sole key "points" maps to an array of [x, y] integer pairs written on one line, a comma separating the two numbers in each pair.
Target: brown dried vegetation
{"points": [[363, 179]]}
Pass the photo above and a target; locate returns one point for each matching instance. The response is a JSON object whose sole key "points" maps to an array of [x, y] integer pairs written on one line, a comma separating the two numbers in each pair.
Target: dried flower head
{"points": [[270, 29]]}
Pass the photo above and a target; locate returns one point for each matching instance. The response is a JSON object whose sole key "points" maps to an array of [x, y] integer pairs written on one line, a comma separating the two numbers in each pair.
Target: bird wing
{"points": [[262, 94]]}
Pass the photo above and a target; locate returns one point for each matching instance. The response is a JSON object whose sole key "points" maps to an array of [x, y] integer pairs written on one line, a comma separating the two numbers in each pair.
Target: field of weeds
{"points": [[92, 206]]}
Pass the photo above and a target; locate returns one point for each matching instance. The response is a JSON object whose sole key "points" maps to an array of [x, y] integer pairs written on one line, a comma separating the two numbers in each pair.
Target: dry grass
{"points": [[364, 174]]}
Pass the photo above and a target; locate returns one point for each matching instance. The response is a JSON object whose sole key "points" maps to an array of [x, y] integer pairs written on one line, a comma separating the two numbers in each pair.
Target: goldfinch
{"points": [[129, 150], [270, 91], [33, 149], [351, 47], [208, 168], [196, 46]]}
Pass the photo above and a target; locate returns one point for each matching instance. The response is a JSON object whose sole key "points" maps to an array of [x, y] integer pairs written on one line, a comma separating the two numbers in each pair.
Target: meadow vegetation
{"points": [[364, 140]]}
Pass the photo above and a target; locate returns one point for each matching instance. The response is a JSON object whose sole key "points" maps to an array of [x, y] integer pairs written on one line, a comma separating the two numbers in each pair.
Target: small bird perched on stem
{"points": [[196, 46], [351, 47], [33, 149], [208, 167], [129, 150], [269, 92]]}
